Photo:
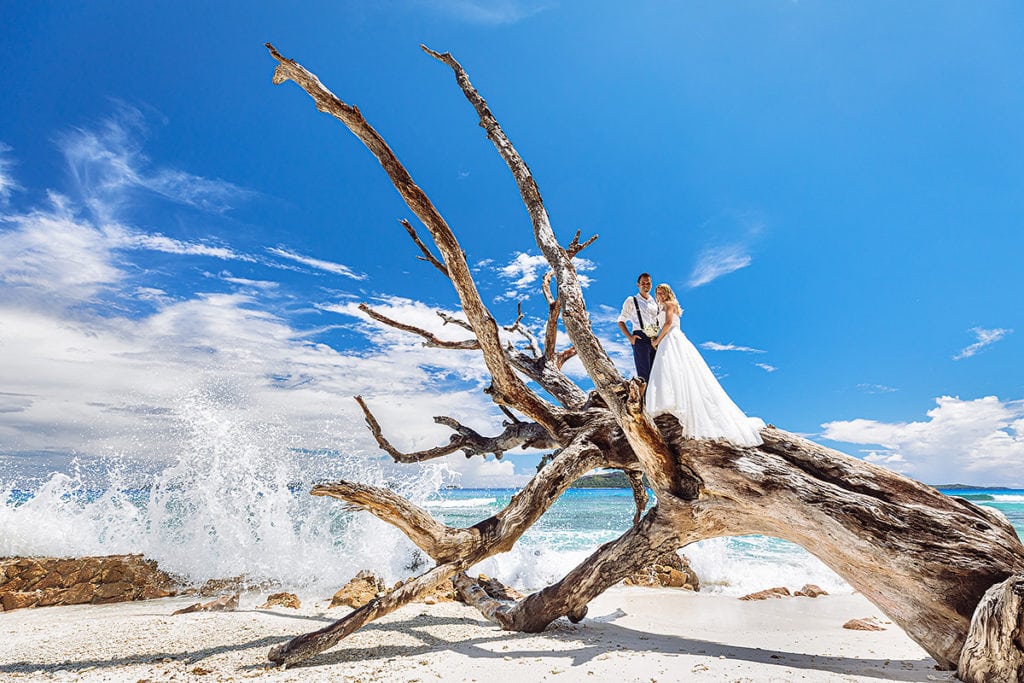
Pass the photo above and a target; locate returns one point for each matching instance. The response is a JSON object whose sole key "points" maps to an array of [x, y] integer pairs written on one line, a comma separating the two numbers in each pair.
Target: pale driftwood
{"points": [[515, 435], [924, 559], [995, 645]]}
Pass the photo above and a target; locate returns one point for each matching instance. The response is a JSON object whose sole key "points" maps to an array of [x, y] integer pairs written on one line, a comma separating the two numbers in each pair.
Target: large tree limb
{"points": [[507, 387], [643, 544], [305, 646], [429, 535]]}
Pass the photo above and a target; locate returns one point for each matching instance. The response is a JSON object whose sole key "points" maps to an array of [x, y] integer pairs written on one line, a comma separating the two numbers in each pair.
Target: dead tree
{"points": [[946, 571]]}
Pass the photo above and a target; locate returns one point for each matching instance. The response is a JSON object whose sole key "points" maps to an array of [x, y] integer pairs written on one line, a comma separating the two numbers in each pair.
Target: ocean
{"points": [[231, 516]]}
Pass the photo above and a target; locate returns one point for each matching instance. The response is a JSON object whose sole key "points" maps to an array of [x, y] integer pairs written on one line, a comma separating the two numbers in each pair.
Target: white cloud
{"points": [[488, 12], [85, 374], [714, 262], [526, 270], [125, 238], [984, 337], [320, 264], [766, 367], [107, 165], [715, 346], [7, 183], [977, 441], [876, 388]]}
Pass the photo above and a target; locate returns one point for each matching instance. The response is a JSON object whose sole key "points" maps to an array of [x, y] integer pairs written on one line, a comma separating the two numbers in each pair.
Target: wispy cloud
{"points": [[715, 346], [714, 262], [876, 388], [985, 338], [731, 234], [107, 164], [7, 183], [489, 12], [766, 367], [977, 441], [320, 264]]}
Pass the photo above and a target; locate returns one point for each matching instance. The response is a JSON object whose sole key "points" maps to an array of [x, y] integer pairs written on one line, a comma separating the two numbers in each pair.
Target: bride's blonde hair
{"points": [[670, 297]]}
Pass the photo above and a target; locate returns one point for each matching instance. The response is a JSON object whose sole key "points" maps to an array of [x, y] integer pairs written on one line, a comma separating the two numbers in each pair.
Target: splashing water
{"points": [[234, 502]]}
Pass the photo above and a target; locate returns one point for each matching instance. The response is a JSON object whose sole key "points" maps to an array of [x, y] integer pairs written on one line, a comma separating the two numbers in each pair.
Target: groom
{"points": [[641, 311]]}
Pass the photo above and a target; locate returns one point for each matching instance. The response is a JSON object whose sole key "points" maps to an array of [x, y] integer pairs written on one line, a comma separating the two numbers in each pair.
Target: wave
{"points": [[460, 503], [1007, 498]]}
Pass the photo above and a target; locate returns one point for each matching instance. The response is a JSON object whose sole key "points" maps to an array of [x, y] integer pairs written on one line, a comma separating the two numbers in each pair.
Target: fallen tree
{"points": [[924, 559]]}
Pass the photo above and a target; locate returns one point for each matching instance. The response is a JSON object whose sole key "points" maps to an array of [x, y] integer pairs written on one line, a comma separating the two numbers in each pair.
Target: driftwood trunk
{"points": [[931, 563]]}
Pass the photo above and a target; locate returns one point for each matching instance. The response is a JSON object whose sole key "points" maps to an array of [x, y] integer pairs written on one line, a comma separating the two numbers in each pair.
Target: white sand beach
{"points": [[631, 634]]}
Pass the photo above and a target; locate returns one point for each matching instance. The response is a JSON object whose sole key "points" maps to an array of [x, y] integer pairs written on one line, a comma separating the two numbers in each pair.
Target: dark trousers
{"points": [[643, 355]]}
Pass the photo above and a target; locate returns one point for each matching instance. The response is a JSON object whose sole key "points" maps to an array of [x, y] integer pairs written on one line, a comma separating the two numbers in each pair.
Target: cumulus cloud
{"points": [[86, 374], [319, 264], [978, 441], [714, 262], [715, 346], [524, 272], [984, 338]]}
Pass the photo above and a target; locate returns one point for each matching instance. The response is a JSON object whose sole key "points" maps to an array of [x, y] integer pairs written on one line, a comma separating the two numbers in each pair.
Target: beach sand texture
{"points": [[631, 634]]}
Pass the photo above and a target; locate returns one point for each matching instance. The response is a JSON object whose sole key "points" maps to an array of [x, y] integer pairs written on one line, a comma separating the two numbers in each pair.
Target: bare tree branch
{"points": [[667, 473], [517, 434], [506, 386], [575, 247], [431, 339], [427, 256]]}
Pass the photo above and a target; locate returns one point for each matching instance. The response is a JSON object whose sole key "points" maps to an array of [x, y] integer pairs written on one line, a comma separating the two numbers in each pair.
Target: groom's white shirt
{"points": [[648, 308]]}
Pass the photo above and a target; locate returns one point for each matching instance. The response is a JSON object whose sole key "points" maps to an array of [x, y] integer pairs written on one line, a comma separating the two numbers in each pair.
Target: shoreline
{"points": [[630, 634]]}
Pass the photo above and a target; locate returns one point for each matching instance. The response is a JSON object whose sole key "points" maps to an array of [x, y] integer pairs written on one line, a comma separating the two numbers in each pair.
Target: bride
{"points": [[682, 384]]}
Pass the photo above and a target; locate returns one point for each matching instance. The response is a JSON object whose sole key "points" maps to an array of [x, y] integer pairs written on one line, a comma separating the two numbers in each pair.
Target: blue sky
{"points": [[835, 191]]}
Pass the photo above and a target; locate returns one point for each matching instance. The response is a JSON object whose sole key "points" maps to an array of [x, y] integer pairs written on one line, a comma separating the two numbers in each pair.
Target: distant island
{"points": [[604, 480]]}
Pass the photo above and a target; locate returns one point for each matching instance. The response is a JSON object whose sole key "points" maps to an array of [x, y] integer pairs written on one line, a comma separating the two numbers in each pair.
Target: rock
{"points": [[19, 599], [777, 592], [869, 624], [362, 588], [670, 571], [282, 600], [497, 590], [225, 603], [73, 581], [810, 591]]}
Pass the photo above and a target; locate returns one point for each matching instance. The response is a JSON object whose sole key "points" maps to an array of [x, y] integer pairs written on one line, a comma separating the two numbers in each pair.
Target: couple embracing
{"points": [[678, 380]]}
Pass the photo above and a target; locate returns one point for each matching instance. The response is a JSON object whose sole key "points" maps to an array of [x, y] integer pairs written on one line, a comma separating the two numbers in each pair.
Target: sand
{"points": [[631, 634]]}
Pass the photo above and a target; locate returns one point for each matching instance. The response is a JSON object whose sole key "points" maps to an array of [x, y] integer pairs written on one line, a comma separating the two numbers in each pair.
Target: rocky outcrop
{"points": [[290, 600], [869, 624], [670, 571], [362, 588], [225, 603], [777, 592], [810, 591], [43, 581]]}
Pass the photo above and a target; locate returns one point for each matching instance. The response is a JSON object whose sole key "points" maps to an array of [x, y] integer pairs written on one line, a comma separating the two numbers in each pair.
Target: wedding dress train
{"points": [[682, 384]]}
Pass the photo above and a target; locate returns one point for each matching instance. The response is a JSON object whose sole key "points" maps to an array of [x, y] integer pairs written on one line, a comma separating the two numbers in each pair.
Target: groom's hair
{"points": [[641, 276]]}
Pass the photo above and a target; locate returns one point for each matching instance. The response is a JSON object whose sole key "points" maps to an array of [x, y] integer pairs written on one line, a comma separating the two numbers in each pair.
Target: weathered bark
{"points": [[926, 560], [995, 646], [515, 435]]}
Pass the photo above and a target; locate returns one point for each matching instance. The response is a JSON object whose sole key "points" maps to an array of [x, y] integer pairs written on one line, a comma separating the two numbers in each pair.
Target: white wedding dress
{"points": [[682, 384]]}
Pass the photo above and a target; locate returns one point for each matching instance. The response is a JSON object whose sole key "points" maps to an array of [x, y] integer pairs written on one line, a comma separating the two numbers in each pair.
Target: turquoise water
{"points": [[582, 519], [213, 523]]}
